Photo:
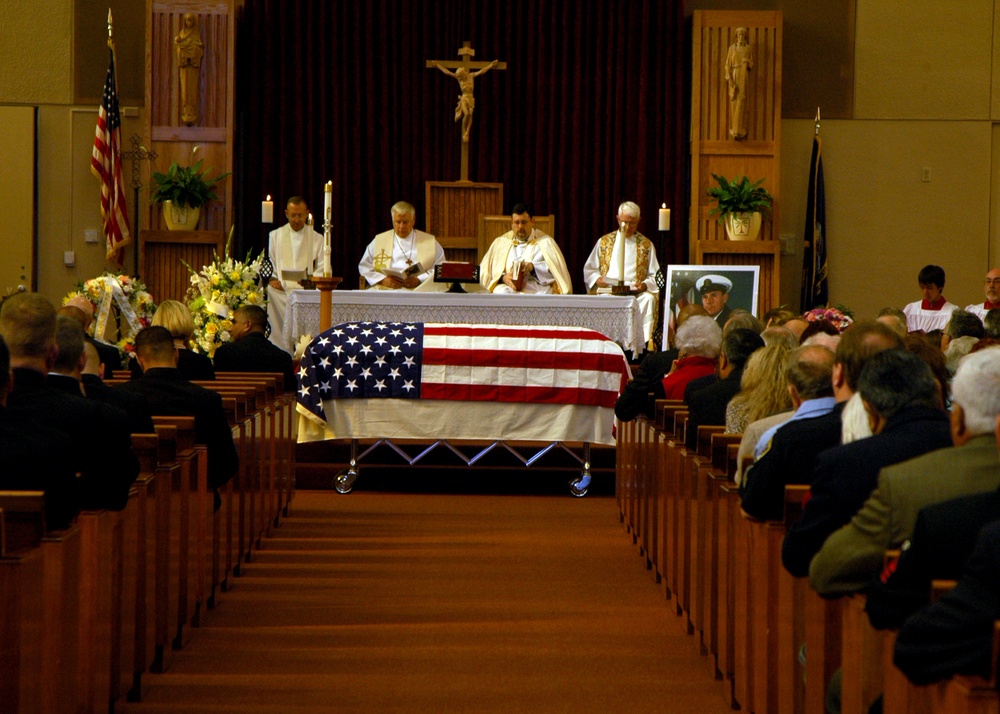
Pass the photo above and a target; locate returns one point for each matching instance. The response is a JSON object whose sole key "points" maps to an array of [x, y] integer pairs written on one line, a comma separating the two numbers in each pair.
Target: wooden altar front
{"points": [[453, 210], [163, 255]]}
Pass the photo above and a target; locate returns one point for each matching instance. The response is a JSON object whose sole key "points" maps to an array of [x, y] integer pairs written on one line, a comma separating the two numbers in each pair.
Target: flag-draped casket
{"points": [[458, 381]]}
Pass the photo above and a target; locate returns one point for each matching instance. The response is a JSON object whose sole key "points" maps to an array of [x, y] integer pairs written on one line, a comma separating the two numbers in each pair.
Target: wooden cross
{"points": [[465, 80]]}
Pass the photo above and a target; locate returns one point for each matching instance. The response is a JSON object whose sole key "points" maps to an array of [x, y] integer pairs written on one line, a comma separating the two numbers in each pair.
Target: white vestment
{"points": [[550, 274], [979, 310], [388, 250], [289, 250], [648, 300], [917, 318]]}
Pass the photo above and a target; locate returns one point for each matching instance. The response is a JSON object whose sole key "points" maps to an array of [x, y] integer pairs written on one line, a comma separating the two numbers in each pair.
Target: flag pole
{"points": [[817, 121]]}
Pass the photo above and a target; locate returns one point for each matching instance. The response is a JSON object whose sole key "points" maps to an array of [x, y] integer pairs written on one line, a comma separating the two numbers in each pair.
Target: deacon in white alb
{"points": [[294, 246], [992, 296], [626, 255]]}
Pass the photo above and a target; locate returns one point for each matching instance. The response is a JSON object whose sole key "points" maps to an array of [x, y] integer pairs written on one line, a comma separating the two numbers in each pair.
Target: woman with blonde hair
{"points": [[763, 388], [176, 317]]}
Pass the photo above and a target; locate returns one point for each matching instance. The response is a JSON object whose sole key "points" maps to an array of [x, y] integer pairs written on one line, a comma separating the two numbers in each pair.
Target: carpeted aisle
{"points": [[377, 602]]}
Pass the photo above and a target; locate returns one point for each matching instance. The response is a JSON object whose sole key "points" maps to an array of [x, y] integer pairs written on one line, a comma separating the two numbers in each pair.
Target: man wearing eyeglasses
{"points": [[992, 284]]}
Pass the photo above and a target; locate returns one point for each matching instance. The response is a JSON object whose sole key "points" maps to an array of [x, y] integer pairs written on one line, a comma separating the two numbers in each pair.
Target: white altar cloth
{"points": [[615, 317]]}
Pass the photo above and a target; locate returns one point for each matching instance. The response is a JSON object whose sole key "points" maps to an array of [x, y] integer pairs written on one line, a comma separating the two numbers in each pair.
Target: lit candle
{"points": [[664, 218], [327, 227], [328, 202], [267, 210]]}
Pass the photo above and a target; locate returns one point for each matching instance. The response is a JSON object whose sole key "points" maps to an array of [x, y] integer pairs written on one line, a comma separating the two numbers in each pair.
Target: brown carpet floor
{"points": [[380, 602]]}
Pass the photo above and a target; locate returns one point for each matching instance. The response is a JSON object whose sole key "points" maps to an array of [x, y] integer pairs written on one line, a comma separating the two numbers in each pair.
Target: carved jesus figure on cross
{"points": [[466, 80]]}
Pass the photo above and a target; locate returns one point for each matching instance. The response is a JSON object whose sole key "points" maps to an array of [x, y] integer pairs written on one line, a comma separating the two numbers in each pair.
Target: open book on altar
{"points": [[415, 269], [293, 276]]}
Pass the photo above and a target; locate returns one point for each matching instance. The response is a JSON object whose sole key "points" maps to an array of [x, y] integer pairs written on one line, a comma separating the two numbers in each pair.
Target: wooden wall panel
{"points": [[713, 151], [765, 254], [164, 254], [453, 210]]}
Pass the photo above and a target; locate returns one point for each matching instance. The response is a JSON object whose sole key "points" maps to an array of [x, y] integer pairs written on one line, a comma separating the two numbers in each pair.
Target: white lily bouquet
{"points": [[216, 291]]}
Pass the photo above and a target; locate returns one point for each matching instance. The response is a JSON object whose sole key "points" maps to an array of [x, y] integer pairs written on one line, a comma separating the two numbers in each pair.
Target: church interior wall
{"points": [[923, 96]]}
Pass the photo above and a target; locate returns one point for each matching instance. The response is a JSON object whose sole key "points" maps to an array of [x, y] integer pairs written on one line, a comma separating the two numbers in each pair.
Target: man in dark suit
{"points": [[140, 418], [101, 450], [80, 309], [108, 486], [169, 394], [27, 446], [250, 350], [707, 405], [955, 634], [902, 399], [788, 457], [634, 399]]}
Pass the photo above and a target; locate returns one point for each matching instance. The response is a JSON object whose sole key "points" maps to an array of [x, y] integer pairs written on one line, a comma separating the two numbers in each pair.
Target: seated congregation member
{"points": [[176, 318], [961, 334], [933, 311], [603, 268], [698, 342], [903, 403], [81, 310], [741, 318], [852, 556], [26, 446], [894, 319], [403, 250], [779, 335], [525, 260], [955, 634], [648, 378], [991, 323], [763, 388], [101, 450], [250, 351], [707, 406], [943, 539], [140, 418], [877, 337], [788, 456], [170, 394], [992, 291]]}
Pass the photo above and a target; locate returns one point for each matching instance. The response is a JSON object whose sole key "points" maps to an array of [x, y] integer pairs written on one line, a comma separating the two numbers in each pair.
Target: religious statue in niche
{"points": [[739, 62], [466, 102], [189, 53]]}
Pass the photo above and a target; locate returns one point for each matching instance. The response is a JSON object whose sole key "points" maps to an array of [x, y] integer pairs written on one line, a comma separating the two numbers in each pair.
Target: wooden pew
{"points": [[140, 547], [22, 525], [698, 468], [164, 549]]}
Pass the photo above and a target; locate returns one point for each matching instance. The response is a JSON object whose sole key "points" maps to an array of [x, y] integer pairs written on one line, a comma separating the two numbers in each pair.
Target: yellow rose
{"points": [[211, 328], [216, 279], [235, 276], [252, 297], [215, 294], [226, 325]]}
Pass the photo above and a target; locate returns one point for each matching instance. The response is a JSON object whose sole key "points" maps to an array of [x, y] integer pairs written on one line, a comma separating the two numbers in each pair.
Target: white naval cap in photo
{"points": [[708, 283]]}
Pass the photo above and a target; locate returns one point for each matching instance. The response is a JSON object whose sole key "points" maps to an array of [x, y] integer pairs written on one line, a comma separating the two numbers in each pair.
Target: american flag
{"points": [[499, 363], [105, 163]]}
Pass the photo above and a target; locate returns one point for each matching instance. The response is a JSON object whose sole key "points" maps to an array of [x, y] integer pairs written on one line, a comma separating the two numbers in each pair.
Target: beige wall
{"points": [[924, 97]]}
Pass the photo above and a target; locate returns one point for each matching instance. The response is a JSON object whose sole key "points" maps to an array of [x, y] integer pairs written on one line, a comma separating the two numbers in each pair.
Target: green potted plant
{"points": [[740, 205], [183, 190]]}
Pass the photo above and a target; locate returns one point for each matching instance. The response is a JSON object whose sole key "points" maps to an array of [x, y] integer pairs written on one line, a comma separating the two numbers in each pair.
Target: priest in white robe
{"points": [[401, 258], [525, 260], [626, 257], [293, 247]]}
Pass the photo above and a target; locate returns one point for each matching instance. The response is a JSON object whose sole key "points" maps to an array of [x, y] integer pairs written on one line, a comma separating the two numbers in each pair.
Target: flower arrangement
{"points": [[116, 297], [216, 291], [839, 318]]}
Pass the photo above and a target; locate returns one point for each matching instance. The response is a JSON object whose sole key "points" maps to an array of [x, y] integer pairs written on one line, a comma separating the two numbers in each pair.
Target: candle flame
{"points": [[268, 197], [664, 205]]}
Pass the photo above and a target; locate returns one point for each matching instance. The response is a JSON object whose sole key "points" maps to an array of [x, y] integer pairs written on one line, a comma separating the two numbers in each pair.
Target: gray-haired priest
{"points": [[626, 257], [402, 257]]}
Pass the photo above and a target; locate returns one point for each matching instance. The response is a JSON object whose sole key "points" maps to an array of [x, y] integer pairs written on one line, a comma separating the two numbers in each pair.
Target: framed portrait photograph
{"points": [[720, 289]]}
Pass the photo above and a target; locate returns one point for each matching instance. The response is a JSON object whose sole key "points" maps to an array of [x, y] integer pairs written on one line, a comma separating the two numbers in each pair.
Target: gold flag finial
{"points": [[817, 121]]}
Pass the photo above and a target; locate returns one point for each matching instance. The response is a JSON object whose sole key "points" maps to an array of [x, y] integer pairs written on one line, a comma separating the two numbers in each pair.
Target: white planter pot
{"points": [[743, 226]]}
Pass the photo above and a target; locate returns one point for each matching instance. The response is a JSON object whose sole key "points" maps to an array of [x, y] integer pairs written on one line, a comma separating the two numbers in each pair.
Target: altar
{"points": [[615, 317]]}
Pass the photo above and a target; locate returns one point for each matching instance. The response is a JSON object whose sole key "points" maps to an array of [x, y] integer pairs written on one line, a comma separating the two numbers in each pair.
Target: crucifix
{"points": [[466, 102], [136, 155]]}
